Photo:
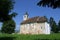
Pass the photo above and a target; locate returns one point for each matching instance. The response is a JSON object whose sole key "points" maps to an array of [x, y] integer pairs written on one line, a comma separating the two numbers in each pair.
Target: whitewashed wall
{"points": [[47, 28], [35, 28]]}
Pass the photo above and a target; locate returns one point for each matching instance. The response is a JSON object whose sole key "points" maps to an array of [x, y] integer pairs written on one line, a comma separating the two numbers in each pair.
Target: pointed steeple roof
{"points": [[26, 13]]}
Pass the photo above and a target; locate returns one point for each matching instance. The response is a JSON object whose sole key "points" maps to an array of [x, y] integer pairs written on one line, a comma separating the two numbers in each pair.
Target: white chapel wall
{"points": [[35, 28]]}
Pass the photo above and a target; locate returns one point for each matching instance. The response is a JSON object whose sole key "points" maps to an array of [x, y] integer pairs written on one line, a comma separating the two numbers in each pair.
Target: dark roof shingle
{"points": [[34, 19]]}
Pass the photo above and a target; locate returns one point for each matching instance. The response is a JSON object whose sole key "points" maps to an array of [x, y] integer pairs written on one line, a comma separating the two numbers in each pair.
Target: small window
{"points": [[25, 16], [41, 27]]}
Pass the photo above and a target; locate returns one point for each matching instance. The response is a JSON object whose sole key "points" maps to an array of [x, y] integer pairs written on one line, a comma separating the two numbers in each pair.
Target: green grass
{"points": [[29, 37]]}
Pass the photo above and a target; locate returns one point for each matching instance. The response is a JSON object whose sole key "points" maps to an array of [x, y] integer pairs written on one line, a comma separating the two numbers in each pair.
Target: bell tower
{"points": [[25, 17]]}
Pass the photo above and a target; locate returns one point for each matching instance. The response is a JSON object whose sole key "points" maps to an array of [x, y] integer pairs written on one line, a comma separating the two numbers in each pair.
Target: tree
{"points": [[49, 3], [6, 7], [8, 27], [53, 25], [51, 21], [59, 25]]}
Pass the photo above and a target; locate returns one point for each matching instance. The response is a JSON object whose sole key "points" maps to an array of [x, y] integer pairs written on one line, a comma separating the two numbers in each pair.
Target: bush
{"points": [[8, 27]]}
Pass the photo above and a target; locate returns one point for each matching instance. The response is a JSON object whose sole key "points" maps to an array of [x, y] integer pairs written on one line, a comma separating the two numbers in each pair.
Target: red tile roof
{"points": [[34, 19]]}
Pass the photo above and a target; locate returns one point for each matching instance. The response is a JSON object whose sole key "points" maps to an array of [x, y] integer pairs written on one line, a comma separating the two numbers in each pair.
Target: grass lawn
{"points": [[29, 37]]}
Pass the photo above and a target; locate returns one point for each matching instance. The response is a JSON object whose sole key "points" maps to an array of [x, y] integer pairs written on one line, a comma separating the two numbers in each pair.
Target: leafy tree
{"points": [[59, 25], [8, 27], [53, 25], [6, 7], [51, 21], [49, 3]]}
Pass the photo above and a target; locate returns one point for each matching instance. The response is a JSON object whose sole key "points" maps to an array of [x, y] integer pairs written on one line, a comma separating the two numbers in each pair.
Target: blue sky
{"points": [[30, 6]]}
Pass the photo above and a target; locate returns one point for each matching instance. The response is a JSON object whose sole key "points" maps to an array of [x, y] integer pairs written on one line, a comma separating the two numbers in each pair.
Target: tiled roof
{"points": [[34, 19]]}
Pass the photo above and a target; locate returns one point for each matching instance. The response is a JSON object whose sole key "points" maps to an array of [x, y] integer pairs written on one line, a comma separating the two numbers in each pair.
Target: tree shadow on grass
{"points": [[7, 38]]}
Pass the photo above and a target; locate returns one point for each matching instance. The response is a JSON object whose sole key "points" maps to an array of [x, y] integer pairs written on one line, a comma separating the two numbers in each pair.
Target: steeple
{"points": [[25, 17]]}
